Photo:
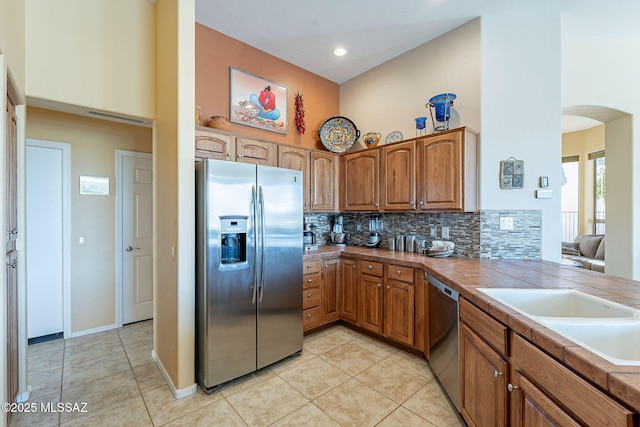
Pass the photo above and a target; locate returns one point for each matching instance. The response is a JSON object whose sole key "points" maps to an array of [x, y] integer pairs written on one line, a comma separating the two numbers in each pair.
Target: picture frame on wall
{"points": [[512, 174], [257, 102]]}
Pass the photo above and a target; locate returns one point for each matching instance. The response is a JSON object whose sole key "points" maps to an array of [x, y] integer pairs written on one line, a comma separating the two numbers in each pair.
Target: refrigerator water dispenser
{"points": [[233, 233]]}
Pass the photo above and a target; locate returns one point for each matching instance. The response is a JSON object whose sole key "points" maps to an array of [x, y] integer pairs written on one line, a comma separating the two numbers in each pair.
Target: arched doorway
{"points": [[617, 133]]}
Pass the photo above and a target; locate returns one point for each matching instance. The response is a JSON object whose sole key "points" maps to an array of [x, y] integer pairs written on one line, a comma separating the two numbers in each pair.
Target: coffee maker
{"points": [[309, 237]]}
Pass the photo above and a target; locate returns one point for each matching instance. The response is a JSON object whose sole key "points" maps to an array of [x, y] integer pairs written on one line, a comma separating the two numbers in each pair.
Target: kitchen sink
{"points": [[606, 328], [618, 341], [559, 303]]}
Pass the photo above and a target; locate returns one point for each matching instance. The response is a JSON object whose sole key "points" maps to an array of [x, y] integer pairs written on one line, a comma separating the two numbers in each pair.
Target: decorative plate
{"points": [[338, 134], [394, 136]]}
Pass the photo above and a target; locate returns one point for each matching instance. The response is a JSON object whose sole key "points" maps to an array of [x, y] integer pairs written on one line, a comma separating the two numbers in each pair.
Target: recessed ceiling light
{"points": [[339, 51]]}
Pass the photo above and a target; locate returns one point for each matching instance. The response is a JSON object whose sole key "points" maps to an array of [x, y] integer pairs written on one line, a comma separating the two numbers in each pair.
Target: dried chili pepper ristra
{"points": [[299, 118]]}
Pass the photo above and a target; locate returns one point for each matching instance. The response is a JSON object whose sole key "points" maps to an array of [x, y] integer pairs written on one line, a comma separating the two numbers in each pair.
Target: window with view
{"points": [[599, 192]]}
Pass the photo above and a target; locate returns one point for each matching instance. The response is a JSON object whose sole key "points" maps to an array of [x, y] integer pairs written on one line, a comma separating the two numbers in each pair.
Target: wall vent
{"points": [[116, 117]]}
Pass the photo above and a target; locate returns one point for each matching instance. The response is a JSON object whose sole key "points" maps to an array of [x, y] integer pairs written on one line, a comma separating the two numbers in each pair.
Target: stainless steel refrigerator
{"points": [[249, 268]]}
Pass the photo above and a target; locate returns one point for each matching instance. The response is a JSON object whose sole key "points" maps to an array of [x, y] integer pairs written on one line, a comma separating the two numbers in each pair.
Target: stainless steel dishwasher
{"points": [[443, 337]]}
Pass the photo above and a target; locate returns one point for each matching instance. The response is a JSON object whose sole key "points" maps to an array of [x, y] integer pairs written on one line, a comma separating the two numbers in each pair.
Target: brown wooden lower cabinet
{"points": [[399, 309], [506, 380], [532, 407], [371, 296], [330, 299], [349, 294], [559, 394], [483, 378]]}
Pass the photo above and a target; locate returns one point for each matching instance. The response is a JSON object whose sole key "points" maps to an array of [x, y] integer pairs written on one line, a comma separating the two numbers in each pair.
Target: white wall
{"points": [[605, 73], [520, 86], [390, 96], [98, 54]]}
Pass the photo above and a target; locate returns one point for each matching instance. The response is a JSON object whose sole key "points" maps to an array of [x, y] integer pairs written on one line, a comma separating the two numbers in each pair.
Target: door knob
{"points": [[129, 249], [512, 387]]}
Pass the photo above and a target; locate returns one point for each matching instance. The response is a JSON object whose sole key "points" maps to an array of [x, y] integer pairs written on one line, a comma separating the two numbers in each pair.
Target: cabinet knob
{"points": [[379, 284], [326, 266], [228, 154], [239, 155], [308, 295], [308, 265], [421, 202], [309, 280], [388, 286], [512, 387], [354, 266], [399, 272], [375, 204], [411, 203], [496, 374], [309, 317], [370, 267]]}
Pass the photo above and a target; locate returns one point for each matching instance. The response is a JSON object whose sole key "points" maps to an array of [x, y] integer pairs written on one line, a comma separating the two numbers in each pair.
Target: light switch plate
{"points": [[506, 223], [445, 232], [543, 194]]}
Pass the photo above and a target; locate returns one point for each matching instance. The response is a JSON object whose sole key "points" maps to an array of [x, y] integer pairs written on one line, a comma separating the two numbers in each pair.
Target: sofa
{"points": [[588, 250]]}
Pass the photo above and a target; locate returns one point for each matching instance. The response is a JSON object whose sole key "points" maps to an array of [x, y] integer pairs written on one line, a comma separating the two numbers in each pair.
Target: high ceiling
{"points": [[305, 33]]}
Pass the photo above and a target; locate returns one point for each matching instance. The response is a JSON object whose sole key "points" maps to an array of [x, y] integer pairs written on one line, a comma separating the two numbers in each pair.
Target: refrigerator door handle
{"points": [[262, 242], [255, 252]]}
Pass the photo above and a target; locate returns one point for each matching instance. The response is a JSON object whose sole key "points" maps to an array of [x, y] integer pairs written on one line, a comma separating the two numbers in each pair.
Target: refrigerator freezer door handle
{"points": [[255, 252], [262, 242]]}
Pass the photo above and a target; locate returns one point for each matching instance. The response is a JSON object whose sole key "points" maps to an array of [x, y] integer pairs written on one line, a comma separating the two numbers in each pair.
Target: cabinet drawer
{"points": [[311, 280], [311, 297], [314, 266], [372, 268], [311, 318], [403, 274], [586, 403], [492, 331]]}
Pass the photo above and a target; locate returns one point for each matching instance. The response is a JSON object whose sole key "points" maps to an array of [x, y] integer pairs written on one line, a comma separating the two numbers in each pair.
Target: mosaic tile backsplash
{"points": [[476, 235]]}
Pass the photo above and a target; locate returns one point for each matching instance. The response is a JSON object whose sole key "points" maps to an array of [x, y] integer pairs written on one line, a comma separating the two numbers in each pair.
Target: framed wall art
{"points": [[512, 174], [257, 102]]}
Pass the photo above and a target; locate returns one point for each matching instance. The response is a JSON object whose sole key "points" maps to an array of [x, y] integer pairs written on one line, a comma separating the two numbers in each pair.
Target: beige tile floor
{"points": [[342, 378]]}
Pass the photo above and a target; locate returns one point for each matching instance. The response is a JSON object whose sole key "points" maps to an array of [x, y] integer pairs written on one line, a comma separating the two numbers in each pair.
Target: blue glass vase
{"points": [[442, 105]]}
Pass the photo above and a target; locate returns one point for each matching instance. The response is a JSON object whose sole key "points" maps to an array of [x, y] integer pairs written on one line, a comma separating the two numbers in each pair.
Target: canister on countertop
{"points": [[391, 243], [410, 243], [400, 242]]}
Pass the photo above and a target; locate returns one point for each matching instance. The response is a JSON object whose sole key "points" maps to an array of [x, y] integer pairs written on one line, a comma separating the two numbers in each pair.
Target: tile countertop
{"points": [[466, 274]]}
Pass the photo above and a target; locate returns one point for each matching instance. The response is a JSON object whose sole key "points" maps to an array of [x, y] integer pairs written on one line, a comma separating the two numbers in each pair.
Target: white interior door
{"points": [[137, 237], [46, 197]]}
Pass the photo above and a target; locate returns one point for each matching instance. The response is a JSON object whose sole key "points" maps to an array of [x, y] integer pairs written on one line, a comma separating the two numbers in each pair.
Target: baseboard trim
{"points": [[177, 394], [94, 330]]}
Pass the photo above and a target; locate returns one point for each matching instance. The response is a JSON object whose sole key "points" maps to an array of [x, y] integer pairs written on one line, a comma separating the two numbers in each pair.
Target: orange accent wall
{"points": [[215, 53]]}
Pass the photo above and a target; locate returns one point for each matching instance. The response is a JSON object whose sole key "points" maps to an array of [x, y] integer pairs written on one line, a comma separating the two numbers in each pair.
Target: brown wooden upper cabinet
{"points": [[256, 152], [447, 171], [324, 182], [361, 181], [398, 177], [297, 159], [215, 145]]}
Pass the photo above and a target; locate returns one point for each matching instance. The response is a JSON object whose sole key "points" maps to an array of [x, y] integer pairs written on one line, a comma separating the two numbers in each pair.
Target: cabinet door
{"points": [[331, 290], [483, 382], [297, 159], [531, 407], [324, 182], [349, 283], [361, 181], [214, 145], [398, 177], [440, 172], [256, 152], [399, 309], [371, 294]]}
